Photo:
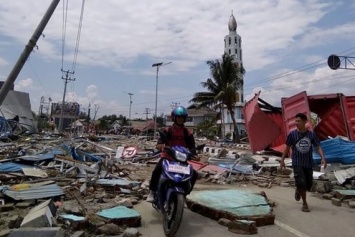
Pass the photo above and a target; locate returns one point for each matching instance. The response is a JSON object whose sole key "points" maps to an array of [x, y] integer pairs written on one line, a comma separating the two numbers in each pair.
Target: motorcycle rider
{"points": [[175, 135]]}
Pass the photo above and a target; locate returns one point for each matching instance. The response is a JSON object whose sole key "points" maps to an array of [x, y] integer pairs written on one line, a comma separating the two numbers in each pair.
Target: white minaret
{"points": [[233, 46]]}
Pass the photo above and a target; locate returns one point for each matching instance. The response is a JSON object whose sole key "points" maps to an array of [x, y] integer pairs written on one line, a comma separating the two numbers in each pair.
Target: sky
{"points": [[285, 49]]}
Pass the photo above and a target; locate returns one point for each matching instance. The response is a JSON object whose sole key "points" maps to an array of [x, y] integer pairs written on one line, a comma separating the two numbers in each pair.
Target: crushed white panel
{"points": [[343, 175]]}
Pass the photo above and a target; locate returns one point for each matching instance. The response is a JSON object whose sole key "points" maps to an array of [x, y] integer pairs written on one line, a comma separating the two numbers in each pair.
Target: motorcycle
{"points": [[174, 186]]}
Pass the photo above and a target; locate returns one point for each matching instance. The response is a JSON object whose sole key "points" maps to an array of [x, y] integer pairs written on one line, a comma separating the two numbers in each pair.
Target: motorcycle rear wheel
{"points": [[173, 214]]}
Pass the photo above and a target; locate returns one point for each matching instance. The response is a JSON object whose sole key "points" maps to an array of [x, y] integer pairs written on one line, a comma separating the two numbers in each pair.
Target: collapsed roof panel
{"points": [[262, 130], [335, 116], [18, 103]]}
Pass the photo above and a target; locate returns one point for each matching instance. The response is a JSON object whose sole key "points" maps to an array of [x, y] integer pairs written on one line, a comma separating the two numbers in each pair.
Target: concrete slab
{"points": [[344, 194], [233, 205], [76, 222], [48, 203], [39, 218], [38, 232], [121, 215]]}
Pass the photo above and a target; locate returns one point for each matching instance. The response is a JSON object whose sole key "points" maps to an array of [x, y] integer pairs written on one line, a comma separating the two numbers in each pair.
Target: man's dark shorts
{"points": [[303, 177]]}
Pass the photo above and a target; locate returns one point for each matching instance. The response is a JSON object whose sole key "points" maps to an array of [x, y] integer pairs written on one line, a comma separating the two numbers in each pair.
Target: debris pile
{"points": [[61, 185]]}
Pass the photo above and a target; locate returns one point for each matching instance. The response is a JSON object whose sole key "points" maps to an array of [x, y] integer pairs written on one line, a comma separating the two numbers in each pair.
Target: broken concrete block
{"points": [[109, 229], [222, 153], [76, 222], [39, 218], [224, 221], [263, 185], [131, 232], [23, 205], [38, 232], [6, 207], [121, 215], [336, 202], [72, 207], [327, 196], [284, 184], [14, 222], [243, 227], [48, 203], [5, 233], [78, 234], [352, 204], [134, 201], [125, 203], [41, 215], [323, 186]]}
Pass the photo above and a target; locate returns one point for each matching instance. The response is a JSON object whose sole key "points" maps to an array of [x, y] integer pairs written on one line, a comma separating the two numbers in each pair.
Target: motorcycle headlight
{"points": [[180, 156]]}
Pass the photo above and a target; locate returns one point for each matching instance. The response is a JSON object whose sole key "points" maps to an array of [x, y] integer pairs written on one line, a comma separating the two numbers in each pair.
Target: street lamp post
{"points": [[157, 65], [129, 114]]}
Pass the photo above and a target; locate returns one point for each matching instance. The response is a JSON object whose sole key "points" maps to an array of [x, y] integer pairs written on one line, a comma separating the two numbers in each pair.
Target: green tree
{"points": [[222, 87], [207, 128]]}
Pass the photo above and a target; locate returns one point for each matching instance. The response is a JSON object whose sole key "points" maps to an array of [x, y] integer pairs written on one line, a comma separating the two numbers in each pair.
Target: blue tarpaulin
{"points": [[336, 150], [9, 167]]}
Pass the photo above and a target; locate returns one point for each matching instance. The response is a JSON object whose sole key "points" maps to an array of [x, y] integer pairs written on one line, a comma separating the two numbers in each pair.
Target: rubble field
{"points": [[56, 185]]}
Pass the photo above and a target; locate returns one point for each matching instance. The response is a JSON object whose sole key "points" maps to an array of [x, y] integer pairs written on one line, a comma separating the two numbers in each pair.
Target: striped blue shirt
{"points": [[301, 145]]}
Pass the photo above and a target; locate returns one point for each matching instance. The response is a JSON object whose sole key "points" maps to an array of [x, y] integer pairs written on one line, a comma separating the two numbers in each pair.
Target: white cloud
{"points": [[115, 33], [322, 81], [130, 37], [24, 85], [3, 61]]}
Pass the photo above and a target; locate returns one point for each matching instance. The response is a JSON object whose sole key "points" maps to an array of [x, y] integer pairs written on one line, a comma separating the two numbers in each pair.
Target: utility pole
{"points": [[66, 79], [157, 65], [129, 114], [130, 104], [96, 110], [146, 113], [26, 52], [88, 115]]}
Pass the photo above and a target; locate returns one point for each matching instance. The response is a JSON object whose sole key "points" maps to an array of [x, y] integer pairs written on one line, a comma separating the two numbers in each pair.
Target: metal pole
{"points": [[27, 51], [156, 101], [130, 104], [156, 94], [60, 126], [66, 80], [129, 113]]}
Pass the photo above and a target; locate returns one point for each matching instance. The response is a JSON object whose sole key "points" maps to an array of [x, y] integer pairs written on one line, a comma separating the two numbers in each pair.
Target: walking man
{"points": [[302, 141]]}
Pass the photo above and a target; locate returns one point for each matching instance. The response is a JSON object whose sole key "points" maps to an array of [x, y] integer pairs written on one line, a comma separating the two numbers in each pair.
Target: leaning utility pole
{"points": [[27, 51], [66, 80]]}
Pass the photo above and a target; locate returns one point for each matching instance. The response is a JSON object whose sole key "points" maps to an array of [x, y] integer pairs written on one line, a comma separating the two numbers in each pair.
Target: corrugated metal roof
{"points": [[45, 191], [337, 150], [118, 182]]}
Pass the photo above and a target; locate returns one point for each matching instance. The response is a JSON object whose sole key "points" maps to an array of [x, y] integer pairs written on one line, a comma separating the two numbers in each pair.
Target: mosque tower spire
{"points": [[233, 47]]}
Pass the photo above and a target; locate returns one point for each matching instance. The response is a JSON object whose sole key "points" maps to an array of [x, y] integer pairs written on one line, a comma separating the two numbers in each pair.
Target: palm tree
{"points": [[222, 87]]}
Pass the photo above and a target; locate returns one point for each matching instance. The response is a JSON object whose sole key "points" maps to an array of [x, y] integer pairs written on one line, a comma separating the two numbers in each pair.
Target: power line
{"points": [[321, 79], [336, 84], [64, 28], [298, 70], [78, 36]]}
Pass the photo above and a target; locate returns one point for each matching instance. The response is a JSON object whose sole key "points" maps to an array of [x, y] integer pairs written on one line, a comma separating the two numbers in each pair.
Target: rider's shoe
{"points": [[151, 197]]}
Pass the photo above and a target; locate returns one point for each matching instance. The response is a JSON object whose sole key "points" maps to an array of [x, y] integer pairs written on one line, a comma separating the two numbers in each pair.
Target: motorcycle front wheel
{"points": [[173, 214]]}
